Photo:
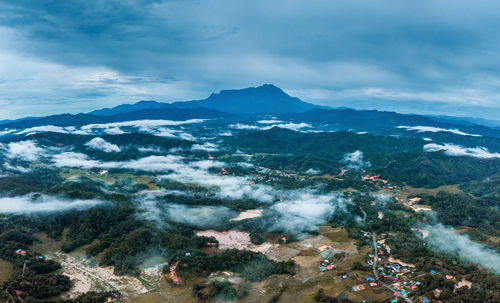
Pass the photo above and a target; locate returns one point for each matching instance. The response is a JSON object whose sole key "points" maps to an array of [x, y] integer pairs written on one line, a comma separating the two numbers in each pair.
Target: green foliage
{"points": [[252, 266], [321, 297], [399, 160]]}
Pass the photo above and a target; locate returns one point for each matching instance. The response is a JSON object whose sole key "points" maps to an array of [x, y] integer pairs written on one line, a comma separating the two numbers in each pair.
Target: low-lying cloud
{"points": [[457, 150], [271, 124], [142, 123], [355, 160], [154, 127], [445, 239], [156, 209], [24, 150], [16, 168], [431, 129], [270, 121], [207, 146], [33, 203], [53, 129], [99, 143], [313, 171], [303, 210], [200, 216]]}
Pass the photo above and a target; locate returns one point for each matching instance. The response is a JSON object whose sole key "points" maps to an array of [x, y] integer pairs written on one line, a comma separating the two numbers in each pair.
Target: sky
{"points": [[431, 57]]}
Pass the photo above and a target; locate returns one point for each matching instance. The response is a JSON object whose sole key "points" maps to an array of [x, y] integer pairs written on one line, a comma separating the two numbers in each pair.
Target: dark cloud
{"points": [[441, 56]]}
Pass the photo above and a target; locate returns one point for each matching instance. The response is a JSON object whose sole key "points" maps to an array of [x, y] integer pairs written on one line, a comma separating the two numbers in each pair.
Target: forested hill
{"points": [[143, 114], [279, 140], [382, 122], [401, 159]]}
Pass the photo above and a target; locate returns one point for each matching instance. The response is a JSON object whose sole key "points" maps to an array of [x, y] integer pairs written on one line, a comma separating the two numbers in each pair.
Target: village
{"points": [[327, 259]]}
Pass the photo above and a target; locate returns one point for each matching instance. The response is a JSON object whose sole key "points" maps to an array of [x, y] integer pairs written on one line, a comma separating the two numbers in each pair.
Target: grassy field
{"points": [[431, 191], [6, 270], [109, 178]]}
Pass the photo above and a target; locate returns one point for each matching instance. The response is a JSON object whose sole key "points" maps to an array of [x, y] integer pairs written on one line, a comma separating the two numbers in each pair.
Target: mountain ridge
{"points": [[264, 99], [251, 104]]}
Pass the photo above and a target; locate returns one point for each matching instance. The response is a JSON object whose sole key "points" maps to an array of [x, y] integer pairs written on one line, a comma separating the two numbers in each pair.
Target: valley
{"points": [[218, 208]]}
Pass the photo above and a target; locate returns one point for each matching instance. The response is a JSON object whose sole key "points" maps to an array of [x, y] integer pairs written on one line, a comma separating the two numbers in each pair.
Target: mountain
{"points": [[467, 120], [16, 120], [126, 108], [265, 99], [352, 118], [83, 119], [382, 122], [251, 103]]}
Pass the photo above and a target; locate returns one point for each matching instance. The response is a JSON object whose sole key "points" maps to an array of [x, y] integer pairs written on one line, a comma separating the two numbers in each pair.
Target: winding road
{"points": [[364, 215], [375, 273]]}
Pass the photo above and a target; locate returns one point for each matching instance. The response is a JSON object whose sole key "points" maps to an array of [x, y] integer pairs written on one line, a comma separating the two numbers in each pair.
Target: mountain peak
{"points": [[264, 99], [263, 90]]}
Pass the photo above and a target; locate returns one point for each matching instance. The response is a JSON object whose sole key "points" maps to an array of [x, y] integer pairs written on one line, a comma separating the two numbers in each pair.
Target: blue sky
{"points": [[438, 57]]}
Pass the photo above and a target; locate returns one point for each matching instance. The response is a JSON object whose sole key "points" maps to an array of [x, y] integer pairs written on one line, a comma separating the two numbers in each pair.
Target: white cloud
{"points": [[42, 203], [114, 131], [17, 168], [245, 164], [355, 160], [6, 132], [304, 210], [244, 126], [201, 216], [225, 133], [72, 159], [142, 123], [153, 127], [99, 143], [149, 149], [226, 186], [52, 128], [269, 121], [150, 163], [422, 129], [457, 150], [445, 239], [25, 150], [313, 171], [289, 125], [299, 211], [207, 146]]}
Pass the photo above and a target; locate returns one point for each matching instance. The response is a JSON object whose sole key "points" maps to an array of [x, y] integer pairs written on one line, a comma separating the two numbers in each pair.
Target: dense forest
{"points": [[117, 231]]}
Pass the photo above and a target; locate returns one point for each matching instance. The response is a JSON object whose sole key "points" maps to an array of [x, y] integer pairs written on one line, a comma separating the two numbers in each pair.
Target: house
{"points": [[464, 283], [414, 200]]}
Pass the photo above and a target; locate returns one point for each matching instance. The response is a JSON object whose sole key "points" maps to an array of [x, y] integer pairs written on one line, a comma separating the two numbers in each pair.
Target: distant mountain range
{"points": [[265, 99], [255, 103]]}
